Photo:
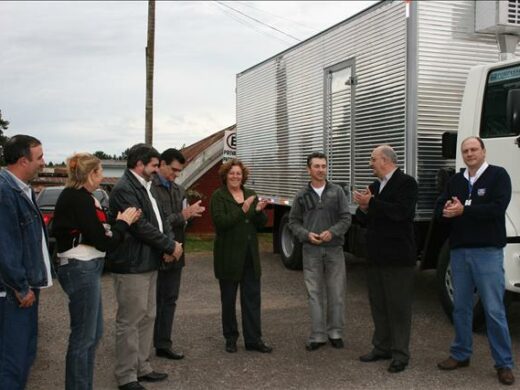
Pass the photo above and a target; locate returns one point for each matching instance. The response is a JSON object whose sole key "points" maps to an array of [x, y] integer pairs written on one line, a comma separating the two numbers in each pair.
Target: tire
{"points": [[445, 288], [290, 247]]}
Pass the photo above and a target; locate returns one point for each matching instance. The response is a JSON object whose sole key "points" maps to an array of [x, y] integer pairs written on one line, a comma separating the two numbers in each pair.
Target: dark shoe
{"points": [[260, 347], [169, 354], [505, 376], [373, 357], [152, 377], [396, 366], [337, 343], [314, 345], [231, 346], [132, 386], [452, 364]]}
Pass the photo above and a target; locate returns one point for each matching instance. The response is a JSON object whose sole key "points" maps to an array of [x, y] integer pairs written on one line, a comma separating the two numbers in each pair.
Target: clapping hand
{"points": [[193, 211], [130, 215], [362, 198], [261, 204], [452, 208], [247, 203]]}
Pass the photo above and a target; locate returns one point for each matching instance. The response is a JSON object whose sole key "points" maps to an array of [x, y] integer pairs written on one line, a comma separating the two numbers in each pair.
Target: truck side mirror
{"points": [[449, 144], [513, 111]]}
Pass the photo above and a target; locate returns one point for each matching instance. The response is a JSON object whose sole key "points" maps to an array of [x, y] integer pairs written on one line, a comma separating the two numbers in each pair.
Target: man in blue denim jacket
{"points": [[24, 260]]}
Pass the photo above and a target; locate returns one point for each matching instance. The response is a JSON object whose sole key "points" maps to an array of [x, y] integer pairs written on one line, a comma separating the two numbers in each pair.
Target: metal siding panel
{"points": [[280, 103]]}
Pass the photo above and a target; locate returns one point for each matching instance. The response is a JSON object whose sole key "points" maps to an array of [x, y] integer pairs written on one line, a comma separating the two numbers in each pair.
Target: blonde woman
{"points": [[82, 237]]}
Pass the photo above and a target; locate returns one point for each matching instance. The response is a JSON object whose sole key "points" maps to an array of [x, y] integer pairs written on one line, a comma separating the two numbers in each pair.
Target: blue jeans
{"points": [[326, 280], [481, 268], [18, 335], [81, 282]]}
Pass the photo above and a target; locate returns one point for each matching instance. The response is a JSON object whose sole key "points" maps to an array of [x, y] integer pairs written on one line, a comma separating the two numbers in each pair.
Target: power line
{"points": [[259, 21], [245, 3], [248, 24]]}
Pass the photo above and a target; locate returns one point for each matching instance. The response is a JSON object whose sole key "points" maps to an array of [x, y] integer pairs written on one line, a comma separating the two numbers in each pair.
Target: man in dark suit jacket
{"points": [[172, 199], [387, 208]]}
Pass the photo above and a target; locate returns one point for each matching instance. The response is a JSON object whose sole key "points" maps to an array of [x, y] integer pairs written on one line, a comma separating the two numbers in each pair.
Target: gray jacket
{"points": [[310, 213]]}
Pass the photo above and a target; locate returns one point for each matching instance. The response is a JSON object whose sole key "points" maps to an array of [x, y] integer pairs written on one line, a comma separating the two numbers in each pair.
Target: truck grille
{"points": [[513, 12]]}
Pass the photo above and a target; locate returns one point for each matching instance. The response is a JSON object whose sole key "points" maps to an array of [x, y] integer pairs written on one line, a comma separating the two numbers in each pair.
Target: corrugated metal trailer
{"points": [[392, 74]]}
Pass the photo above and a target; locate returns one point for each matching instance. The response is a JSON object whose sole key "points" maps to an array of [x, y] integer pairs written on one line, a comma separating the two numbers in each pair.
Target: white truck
{"points": [[392, 74]]}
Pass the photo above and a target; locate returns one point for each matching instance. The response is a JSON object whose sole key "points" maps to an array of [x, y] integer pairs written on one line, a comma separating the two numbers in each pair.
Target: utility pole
{"points": [[148, 132]]}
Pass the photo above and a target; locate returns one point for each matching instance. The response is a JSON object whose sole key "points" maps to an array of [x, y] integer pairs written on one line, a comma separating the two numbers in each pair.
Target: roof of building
{"points": [[192, 151], [58, 175]]}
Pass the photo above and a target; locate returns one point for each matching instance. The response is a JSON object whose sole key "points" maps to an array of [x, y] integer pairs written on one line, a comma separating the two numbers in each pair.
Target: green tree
{"points": [[3, 139], [102, 155], [124, 155]]}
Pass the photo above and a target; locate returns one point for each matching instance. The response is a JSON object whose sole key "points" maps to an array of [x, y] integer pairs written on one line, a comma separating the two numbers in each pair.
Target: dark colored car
{"points": [[46, 202]]}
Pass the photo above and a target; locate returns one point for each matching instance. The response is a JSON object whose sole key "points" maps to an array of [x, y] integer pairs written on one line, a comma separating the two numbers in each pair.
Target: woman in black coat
{"points": [[237, 213]]}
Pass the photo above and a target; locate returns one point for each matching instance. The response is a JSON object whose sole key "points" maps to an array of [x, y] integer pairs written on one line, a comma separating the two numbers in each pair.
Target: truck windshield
{"points": [[499, 83]]}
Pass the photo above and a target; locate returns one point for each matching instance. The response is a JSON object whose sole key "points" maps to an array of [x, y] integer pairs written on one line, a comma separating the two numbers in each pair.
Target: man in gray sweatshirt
{"points": [[320, 218]]}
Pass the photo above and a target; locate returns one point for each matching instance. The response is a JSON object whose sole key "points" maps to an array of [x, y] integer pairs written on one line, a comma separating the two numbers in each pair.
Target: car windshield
{"points": [[49, 197], [102, 197]]}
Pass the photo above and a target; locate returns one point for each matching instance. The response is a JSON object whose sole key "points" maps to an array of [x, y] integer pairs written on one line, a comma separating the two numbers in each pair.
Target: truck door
{"points": [[500, 135], [339, 97]]}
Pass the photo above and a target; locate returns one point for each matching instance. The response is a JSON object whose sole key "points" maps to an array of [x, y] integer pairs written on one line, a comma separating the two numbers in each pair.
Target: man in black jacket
{"points": [[475, 202], [387, 207], [134, 265], [172, 199]]}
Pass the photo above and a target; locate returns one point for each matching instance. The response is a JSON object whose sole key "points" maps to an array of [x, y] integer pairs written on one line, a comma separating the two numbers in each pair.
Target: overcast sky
{"points": [[73, 73]]}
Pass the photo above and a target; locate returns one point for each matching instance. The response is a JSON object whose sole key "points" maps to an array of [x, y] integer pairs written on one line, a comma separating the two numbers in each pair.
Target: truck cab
{"points": [[490, 109]]}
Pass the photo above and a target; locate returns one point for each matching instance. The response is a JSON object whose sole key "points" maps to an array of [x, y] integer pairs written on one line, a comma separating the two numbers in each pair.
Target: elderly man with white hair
{"points": [[387, 208]]}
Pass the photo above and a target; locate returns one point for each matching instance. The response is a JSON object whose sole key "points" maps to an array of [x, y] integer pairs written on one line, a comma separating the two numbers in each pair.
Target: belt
{"points": [[68, 260]]}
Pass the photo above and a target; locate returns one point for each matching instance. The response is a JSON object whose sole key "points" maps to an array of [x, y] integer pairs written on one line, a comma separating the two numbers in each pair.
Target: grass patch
{"points": [[195, 243], [204, 243]]}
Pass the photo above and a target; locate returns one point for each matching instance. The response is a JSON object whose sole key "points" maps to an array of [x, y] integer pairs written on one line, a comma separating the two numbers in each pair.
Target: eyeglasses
{"points": [[175, 169]]}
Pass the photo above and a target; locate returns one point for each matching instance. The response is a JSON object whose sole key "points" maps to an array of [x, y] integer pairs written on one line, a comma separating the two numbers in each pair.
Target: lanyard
{"points": [[470, 189]]}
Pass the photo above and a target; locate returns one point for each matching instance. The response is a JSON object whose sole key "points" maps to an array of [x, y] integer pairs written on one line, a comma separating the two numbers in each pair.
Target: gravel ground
{"points": [[285, 320]]}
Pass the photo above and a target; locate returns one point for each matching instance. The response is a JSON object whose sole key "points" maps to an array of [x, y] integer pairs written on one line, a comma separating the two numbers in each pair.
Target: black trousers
{"points": [[390, 291], [249, 304], [168, 285]]}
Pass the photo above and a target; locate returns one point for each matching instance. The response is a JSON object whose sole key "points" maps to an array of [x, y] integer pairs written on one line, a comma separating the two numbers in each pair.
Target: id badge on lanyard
{"points": [[470, 189]]}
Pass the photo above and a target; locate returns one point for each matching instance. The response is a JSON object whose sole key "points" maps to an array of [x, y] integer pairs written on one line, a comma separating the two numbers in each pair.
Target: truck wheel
{"points": [[290, 247], [445, 288]]}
